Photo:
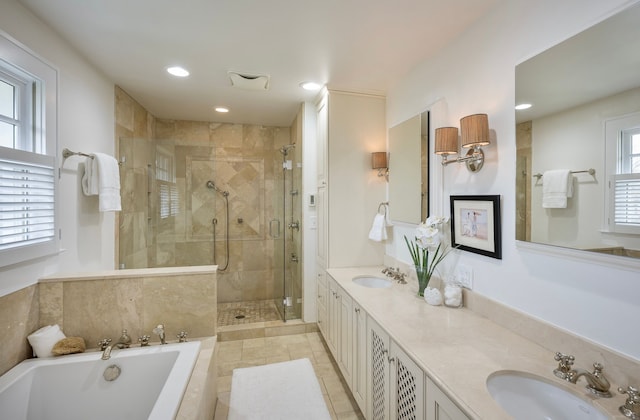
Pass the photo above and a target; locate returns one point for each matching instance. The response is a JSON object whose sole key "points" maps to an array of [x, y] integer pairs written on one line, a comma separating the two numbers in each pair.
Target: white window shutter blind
{"points": [[27, 205], [625, 198]]}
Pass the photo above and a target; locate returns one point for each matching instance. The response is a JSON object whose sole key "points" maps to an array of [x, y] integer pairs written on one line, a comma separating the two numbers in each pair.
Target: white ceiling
{"points": [[356, 45]]}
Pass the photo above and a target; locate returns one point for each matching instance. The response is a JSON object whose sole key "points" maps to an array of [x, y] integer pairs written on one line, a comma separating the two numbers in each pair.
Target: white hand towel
{"points": [[108, 182], [90, 178], [557, 186], [43, 340], [378, 230]]}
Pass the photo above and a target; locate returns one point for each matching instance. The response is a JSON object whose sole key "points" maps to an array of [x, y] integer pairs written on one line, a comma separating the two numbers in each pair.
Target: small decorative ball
{"points": [[433, 296]]}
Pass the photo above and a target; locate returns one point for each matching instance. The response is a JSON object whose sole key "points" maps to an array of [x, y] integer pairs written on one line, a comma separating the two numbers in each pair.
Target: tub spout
{"points": [[160, 331]]}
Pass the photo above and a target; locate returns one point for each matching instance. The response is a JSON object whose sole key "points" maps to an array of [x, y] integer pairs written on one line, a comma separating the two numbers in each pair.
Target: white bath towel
{"points": [[89, 179], [43, 340], [378, 230], [557, 187], [102, 177], [278, 391]]}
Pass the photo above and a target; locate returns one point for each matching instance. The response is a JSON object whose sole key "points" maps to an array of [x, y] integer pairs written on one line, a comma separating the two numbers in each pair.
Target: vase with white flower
{"points": [[427, 240]]}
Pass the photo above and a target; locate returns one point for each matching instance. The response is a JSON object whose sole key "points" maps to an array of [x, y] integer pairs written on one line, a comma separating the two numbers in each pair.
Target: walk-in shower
{"points": [[242, 182]]}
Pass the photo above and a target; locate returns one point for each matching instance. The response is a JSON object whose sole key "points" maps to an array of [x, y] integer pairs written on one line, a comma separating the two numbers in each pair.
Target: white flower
{"points": [[436, 220], [427, 236]]}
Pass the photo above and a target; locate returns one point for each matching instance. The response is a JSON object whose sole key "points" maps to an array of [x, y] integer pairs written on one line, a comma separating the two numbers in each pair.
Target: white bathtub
{"points": [[150, 386]]}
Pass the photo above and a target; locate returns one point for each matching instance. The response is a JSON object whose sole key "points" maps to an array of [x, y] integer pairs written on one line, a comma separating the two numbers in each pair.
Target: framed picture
{"points": [[475, 224]]}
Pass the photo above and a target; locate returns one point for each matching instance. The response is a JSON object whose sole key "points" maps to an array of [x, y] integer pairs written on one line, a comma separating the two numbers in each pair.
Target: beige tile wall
{"points": [[18, 319], [101, 306]]}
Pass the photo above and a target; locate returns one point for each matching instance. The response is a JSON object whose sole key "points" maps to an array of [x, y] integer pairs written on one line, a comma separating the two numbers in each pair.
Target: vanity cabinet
{"points": [[439, 406], [359, 344], [396, 383], [322, 299]]}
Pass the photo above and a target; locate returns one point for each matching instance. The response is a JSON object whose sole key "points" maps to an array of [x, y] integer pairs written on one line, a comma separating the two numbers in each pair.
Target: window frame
{"points": [[614, 130], [42, 133]]}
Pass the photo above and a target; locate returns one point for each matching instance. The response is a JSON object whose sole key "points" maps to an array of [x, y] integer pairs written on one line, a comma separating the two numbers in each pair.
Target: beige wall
{"points": [[102, 305]]}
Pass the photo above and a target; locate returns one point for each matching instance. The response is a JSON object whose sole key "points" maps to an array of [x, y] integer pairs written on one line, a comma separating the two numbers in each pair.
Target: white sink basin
{"points": [[372, 281], [529, 397]]}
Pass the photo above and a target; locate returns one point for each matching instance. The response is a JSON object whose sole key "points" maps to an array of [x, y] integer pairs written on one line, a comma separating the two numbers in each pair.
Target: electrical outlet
{"points": [[464, 276]]}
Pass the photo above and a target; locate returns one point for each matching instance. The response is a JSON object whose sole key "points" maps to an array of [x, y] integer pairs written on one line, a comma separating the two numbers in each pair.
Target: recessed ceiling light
{"points": [[178, 71], [221, 109], [310, 86], [520, 107]]}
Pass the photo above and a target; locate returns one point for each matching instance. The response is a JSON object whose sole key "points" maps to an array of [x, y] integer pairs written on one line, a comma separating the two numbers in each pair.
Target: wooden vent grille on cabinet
{"points": [[406, 393], [379, 361]]}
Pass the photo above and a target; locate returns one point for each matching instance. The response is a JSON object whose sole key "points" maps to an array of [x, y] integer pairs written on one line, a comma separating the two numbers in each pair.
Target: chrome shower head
{"points": [[285, 149], [212, 186]]}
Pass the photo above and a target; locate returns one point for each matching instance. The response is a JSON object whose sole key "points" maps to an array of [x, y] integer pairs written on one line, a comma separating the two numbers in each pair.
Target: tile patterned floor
{"points": [[260, 351], [239, 313]]}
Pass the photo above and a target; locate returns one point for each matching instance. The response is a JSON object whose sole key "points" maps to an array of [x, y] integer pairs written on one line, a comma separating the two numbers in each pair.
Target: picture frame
{"points": [[475, 224]]}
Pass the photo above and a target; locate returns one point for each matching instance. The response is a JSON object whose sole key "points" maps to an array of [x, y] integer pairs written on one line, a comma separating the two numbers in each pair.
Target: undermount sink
{"points": [[528, 397], [372, 281]]}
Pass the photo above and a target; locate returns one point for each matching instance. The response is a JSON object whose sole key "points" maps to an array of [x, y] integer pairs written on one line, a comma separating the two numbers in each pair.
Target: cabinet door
{"points": [[333, 317], [359, 334], [345, 339], [377, 371], [322, 301], [407, 386], [439, 406]]}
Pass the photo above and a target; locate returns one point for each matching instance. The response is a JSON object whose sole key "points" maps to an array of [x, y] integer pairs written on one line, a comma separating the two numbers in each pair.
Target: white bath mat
{"points": [[279, 391]]}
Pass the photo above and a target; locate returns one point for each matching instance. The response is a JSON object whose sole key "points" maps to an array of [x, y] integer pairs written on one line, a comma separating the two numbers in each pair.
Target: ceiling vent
{"points": [[249, 81]]}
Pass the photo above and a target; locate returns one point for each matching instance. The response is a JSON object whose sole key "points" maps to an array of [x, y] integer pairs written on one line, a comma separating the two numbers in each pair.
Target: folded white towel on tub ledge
{"points": [[278, 391]]}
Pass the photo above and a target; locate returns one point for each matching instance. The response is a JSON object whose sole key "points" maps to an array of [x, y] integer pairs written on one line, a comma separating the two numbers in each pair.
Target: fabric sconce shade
{"points": [[474, 130], [379, 160], [446, 141]]}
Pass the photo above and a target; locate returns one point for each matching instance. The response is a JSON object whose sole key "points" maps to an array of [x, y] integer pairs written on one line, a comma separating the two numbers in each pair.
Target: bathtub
{"points": [[150, 385]]}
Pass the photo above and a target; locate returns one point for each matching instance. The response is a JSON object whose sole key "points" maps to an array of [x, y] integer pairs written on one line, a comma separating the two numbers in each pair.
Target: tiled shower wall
{"points": [[241, 159]]}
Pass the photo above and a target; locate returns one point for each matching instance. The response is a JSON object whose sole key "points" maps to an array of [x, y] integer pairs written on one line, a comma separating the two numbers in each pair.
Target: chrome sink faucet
{"points": [[395, 273], [597, 383]]}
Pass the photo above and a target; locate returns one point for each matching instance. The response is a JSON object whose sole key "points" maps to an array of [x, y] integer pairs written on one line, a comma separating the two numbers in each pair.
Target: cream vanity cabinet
{"points": [[439, 406], [346, 337], [339, 337], [322, 299], [396, 383], [359, 346]]}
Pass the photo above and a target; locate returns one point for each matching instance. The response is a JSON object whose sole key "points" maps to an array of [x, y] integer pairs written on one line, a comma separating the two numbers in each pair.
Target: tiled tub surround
{"points": [[99, 305], [459, 348]]}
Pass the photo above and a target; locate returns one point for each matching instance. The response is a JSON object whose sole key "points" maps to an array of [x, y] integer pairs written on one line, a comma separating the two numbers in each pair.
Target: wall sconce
{"points": [[474, 130], [379, 162]]}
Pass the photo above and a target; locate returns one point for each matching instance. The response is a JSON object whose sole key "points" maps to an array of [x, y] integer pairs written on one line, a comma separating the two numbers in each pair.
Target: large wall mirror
{"points": [[584, 118], [409, 169]]}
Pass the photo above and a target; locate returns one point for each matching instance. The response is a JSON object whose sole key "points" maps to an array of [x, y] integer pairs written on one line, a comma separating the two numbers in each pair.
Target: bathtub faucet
{"points": [[160, 331], [105, 345]]}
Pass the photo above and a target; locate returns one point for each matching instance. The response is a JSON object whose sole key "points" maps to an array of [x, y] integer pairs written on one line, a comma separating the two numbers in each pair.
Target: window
{"points": [[28, 227], [166, 177], [623, 145]]}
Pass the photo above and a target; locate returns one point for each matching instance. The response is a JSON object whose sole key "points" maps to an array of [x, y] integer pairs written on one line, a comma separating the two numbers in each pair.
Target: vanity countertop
{"points": [[457, 348]]}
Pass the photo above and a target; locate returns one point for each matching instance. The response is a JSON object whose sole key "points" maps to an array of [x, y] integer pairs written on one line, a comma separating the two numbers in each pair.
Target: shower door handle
{"points": [[271, 222]]}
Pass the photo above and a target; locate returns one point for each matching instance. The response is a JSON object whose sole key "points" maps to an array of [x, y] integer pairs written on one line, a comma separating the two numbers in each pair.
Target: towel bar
{"points": [[591, 172]]}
